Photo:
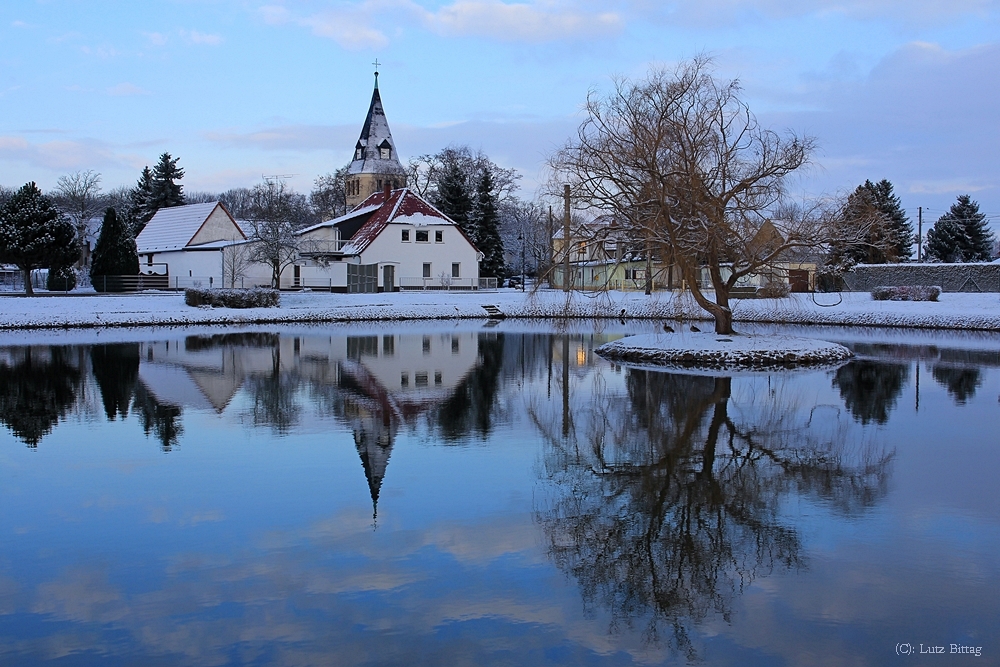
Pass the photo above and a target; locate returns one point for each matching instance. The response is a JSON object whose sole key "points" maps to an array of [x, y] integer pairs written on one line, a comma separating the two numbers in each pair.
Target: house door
{"points": [[389, 278], [798, 279], [297, 276]]}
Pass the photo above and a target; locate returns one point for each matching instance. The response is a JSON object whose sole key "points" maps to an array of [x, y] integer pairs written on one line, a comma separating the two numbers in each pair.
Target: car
{"points": [[515, 282]]}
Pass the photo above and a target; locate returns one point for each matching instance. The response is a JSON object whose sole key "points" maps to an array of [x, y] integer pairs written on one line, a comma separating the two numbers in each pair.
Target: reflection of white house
{"points": [[393, 240], [186, 242]]}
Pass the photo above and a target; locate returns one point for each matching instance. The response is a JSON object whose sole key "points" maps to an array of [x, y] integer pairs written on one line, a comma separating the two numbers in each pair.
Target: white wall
{"points": [[409, 257]]}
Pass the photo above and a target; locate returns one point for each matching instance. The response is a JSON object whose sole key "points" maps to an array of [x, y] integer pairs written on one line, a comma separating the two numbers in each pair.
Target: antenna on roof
{"points": [[277, 177]]}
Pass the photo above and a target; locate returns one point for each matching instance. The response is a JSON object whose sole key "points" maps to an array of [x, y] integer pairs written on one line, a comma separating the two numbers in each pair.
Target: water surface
{"points": [[445, 493]]}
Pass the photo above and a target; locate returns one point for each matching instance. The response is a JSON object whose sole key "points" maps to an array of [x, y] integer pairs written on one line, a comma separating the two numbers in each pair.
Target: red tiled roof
{"points": [[401, 204]]}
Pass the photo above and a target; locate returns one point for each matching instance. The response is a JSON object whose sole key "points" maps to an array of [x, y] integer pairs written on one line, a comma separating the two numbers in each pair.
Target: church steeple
{"points": [[375, 162]]}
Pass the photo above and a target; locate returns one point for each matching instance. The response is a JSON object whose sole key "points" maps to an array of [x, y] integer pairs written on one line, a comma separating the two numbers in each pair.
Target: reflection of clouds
{"points": [[82, 595]]}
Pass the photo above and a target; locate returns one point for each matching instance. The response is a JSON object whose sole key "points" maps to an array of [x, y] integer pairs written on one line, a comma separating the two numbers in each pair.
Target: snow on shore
{"points": [[953, 311], [711, 351]]}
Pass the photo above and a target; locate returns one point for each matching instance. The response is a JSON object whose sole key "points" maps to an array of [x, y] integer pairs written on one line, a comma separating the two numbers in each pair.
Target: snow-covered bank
{"points": [[709, 351], [953, 311]]}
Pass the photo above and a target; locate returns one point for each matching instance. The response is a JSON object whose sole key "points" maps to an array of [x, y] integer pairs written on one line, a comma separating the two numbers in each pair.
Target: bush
{"points": [[232, 298], [60, 279], [774, 290], [906, 293]]}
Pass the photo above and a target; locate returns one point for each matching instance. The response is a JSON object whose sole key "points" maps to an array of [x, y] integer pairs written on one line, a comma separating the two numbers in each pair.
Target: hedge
{"points": [[232, 298]]}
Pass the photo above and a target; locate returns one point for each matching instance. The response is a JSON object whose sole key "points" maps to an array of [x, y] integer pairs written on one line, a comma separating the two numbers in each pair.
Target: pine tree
{"points": [[115, 252], [164, 191], [452, 197], [890, 236], [961, 234], [486, 224], [33, 234], [140, 208]]}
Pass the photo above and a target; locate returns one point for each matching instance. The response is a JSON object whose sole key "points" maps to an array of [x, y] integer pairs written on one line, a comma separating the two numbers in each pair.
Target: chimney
{"points": [[386, 189]]}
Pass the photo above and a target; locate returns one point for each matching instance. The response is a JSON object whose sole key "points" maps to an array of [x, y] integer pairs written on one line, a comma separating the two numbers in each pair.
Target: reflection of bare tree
{"points": [[667, 499], [274, 396], [37, 390], [159, 418]]}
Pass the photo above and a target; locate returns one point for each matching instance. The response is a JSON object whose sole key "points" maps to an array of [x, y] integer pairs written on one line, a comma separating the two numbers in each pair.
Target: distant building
{"points": [[186, 242]]}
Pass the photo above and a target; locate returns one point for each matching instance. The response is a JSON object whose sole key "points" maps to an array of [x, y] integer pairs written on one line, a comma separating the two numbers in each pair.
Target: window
{"points": [[149, 259], [437, 377], [420, 379], [404, 380], [384, 153], [380, 184], [406, 235], [454, 345], [427, 268], [422, 236], [439, 237], [358, 153], [456, 270], [581, 250], [426, 345]]}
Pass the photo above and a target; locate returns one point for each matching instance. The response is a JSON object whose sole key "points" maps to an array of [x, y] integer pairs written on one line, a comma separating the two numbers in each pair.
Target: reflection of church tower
{"points": [[374, 446], [375, 163]]}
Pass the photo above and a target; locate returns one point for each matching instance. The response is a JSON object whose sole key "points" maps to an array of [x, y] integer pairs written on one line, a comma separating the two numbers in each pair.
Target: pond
{"points": [[446, 493]]}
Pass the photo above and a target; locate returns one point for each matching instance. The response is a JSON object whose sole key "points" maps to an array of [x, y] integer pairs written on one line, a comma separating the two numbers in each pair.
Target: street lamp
{"points": [[520, 237]]}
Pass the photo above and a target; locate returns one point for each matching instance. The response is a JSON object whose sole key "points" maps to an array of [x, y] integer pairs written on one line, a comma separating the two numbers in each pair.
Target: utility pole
{"points": [[920, 233], [566, 244]]}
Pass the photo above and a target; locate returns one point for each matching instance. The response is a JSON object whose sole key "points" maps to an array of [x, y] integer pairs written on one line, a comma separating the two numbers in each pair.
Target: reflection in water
{"points": [[116, 371], [38, 386], [870, 388], [961, 383], [667, 500]]}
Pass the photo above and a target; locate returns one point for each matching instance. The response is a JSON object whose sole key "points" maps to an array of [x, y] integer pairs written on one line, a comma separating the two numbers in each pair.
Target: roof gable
{"points": [[403, 206], [174, 228]]}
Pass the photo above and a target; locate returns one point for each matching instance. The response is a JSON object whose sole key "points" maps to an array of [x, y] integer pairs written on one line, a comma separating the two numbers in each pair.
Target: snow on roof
{"points": [[375, 134], [359, 210], [173, 228], [402, 206]]}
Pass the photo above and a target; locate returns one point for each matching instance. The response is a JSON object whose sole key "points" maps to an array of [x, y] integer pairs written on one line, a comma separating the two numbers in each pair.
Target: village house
{"points": [[391, 238]]}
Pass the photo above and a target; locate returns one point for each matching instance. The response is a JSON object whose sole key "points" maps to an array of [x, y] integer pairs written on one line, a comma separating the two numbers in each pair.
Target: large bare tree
{"points": [[78, 197], [681, 162], [271, 216]]}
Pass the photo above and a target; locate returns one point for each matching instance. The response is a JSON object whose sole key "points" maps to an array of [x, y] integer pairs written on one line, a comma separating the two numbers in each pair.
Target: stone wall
{"points": [[949, 277]]}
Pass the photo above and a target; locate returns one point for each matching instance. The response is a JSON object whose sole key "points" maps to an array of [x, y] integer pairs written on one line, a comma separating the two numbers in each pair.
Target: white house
{"points": [[393, 240], [186, 243]]}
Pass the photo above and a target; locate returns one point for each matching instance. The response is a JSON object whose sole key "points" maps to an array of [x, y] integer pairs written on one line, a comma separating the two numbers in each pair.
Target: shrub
{"points": [[906, 293], [232, 298], [774, 290], [60, 279]]}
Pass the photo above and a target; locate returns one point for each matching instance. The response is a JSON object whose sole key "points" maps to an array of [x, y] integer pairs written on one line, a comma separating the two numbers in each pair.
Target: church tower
{"points": [[376, 163]]}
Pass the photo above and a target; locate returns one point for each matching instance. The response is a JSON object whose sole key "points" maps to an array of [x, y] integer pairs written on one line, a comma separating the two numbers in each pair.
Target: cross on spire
{"points": [[376, 63]]}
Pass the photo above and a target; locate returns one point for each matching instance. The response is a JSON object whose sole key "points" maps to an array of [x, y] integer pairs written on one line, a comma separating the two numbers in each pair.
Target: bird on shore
{"points": [[695, 329], [621, 315], [668, 328]]}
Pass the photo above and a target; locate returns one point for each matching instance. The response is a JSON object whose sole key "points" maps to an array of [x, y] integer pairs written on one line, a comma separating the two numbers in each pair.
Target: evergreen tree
{"points": [[116, 370], [115, 252], [164, 191], [890, 235], [141, 208], [36, 391], [486, 224], [452, 197], [961, 234], [33, 234]]}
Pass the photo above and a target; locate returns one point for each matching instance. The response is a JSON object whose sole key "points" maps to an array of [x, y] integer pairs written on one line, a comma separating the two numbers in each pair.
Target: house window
{"points": [[406, 236], [581, 250], [427, 268], [384, 153], [454, 345], [437, 377], [422, 236], [358, 153], [149, 259], [420, 379], [456, 270], [439, 237], [426, 345], [404, 380]]}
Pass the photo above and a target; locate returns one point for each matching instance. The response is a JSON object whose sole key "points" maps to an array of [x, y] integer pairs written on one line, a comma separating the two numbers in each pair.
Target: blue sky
{"points": [[898, 89]]}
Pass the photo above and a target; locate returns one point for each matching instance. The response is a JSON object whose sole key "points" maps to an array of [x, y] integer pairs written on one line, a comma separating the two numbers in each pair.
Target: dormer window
{"points": [[385, 150], [357, 153]]}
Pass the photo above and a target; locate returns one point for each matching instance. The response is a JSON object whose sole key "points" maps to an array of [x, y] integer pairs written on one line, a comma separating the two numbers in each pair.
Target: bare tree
{"points": [[329, 195], [423, 172], [236, 260], [681, 161], [526, 233], [272, 218], [78, 197]]}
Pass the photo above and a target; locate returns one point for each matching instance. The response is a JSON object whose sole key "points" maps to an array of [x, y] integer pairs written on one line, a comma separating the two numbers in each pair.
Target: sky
{"points": [[239, 89]]}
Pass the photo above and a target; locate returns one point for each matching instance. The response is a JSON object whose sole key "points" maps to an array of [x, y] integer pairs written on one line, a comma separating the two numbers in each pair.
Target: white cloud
{"points": [[57, 155], [366, 24], [156, 38], [521, 21], [196, 37], [126, 90]]}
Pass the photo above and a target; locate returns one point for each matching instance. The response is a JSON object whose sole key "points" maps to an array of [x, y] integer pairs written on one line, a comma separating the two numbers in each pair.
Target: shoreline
{"points": [[954, 311]]}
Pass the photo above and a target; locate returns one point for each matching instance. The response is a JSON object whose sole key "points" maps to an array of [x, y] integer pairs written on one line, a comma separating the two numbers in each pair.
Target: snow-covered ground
{"points": [[955, 311], [707, 350]]}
